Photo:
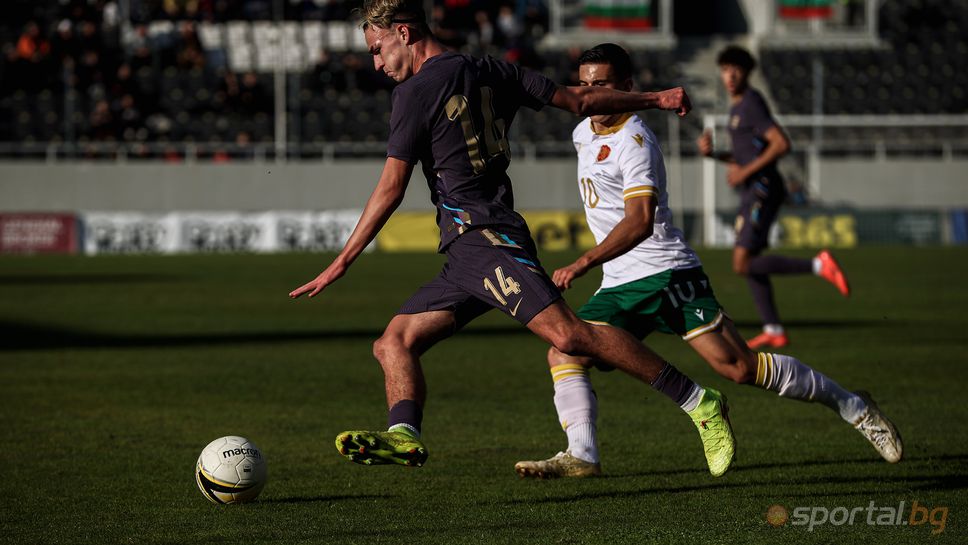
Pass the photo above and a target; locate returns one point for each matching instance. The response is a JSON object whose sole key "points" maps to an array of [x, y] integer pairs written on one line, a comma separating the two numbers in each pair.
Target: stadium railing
{"points": [[873, 137]]}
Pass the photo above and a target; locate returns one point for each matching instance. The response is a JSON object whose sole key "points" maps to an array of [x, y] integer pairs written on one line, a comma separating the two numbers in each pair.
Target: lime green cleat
{"points": [[711, 417], [381, 447], [562, 464]]}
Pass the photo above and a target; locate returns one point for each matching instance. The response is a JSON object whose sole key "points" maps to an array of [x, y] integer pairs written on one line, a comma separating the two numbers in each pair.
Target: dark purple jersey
{"points": [[453, 116], [749, 119]]}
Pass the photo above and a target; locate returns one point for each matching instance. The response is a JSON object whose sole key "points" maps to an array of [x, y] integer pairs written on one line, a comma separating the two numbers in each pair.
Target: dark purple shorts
{"points": [[488, 268], [758, 209]]}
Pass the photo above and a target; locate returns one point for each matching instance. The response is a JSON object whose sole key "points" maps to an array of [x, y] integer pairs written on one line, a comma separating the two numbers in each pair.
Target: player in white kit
{"points": [[652, 280]]}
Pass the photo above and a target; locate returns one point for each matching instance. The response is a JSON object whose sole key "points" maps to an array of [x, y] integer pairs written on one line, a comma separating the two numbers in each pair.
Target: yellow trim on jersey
{"points": [[639, 188], [595, 322], [711, 326], [614, 128], [638, 191]]}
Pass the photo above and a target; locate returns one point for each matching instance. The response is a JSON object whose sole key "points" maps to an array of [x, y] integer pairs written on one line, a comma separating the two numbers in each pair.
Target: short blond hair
{"points": [[384, 13]]}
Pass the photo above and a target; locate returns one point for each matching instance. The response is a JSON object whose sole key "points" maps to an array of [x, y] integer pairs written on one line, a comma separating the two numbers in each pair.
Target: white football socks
{"points": [[773, 329], [405, 428], [577, 409], [695, 396], [791, 378]]}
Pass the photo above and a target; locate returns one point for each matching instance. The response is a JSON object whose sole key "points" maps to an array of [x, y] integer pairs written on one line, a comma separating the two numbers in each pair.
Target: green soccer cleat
{"points": [[879, 431], [381, 447], [562, 464], [711, 417]]}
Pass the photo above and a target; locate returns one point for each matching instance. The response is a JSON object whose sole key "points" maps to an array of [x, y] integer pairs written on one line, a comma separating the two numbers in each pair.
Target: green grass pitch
{"points": [[116, 371]]}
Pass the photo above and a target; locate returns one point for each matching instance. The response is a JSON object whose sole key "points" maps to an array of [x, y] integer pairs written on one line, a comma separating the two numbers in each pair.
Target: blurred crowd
{"points": [[101, 74]]}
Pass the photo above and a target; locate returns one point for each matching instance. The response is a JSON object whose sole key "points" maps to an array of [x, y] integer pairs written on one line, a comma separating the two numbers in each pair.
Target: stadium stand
{"points": [[915, 71], [925, 43], [201, 71]]}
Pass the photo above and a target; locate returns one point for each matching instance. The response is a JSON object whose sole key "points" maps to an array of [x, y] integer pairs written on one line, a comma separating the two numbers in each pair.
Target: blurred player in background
{"points": [[451, 113], [652, 280], [758, 143]]}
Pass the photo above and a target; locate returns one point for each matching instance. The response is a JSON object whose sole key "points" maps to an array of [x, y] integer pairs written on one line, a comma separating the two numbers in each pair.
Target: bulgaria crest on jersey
{"points": [[604, 153]]}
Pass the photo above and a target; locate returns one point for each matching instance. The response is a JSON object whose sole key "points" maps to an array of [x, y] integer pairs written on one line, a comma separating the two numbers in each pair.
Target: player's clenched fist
{"points": [[675, 99], [705, 143]]}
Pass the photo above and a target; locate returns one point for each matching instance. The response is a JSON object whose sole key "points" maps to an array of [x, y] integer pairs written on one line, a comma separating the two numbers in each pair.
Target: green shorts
{"points": [[674, 301]]}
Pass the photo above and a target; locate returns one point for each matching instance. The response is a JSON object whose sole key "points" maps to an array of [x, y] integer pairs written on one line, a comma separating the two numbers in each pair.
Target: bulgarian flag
{"points": [[618, 14], [805, 9]]}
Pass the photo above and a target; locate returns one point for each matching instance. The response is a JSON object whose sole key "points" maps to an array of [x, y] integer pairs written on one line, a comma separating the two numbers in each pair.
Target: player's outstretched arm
{"points": [[596, 100], [386, 197], [635, 227]]}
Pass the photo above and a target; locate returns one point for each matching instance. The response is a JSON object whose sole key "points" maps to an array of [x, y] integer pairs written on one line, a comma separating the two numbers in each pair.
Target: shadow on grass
{"points": [[896, 485], [23, 336], [872, 461], [332, 498], [748, 467], [523, 531], [877, 485], [86, 279], [822, 324], [27, 336]]}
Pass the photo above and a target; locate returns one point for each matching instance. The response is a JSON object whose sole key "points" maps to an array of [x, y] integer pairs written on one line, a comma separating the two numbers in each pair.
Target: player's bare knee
{"points": [[579, 341], [567, 342], [741, 263], [388, 345], [741, 372], [733, 367], [557, 357], [564, 343], [380, 349], [559, 336]]}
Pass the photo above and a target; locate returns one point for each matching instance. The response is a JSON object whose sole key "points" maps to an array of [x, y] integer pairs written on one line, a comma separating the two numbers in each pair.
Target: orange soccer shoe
{"points": [[768, 340], [831, 272]]}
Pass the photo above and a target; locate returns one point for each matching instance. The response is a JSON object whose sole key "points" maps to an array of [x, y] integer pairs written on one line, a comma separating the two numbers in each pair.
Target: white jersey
{"points": [[621, 163]]}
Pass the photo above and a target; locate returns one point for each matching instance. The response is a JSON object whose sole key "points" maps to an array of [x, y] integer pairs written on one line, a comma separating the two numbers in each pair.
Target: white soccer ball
{"points": [[231, 469]]}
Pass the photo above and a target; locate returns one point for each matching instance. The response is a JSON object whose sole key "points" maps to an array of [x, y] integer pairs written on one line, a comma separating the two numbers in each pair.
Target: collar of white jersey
{"points": [[614, 128]]}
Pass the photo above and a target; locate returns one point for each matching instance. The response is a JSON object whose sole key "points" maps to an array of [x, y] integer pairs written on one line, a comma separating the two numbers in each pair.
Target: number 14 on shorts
{"points": [[506, 284]]}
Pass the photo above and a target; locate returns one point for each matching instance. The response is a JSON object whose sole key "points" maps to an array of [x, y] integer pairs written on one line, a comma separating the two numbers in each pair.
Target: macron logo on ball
{"points": [[238, 451]]}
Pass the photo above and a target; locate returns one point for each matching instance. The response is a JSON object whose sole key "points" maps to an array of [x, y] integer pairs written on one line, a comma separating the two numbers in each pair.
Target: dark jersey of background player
{"points": [[436, 117], [757, 143], [764, 190], [749, 119]]}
